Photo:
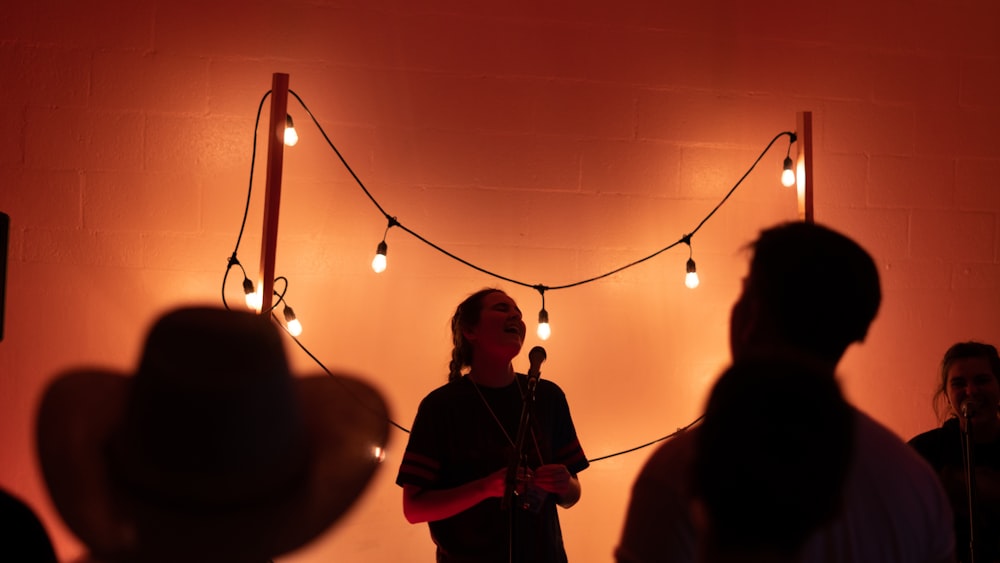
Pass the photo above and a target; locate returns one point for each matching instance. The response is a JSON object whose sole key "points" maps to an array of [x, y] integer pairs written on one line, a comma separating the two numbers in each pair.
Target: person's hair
{"points": [[819, 288], [961, 351], [466, 316], [771, 456]]}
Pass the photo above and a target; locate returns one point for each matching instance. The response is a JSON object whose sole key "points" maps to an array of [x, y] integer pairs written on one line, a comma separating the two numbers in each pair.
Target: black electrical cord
{"points": [[394, 222]]}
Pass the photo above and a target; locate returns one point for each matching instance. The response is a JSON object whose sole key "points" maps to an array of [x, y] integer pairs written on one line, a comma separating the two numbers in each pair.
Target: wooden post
{"points": [[272, 194], [803, 165]]}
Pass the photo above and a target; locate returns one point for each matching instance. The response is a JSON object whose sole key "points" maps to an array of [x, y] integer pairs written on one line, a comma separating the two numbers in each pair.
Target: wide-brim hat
{"points": [[212, 450]]}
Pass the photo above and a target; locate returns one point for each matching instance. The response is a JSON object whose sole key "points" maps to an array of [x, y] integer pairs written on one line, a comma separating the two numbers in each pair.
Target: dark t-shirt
{"points": [[942, 448], [460, 435]]}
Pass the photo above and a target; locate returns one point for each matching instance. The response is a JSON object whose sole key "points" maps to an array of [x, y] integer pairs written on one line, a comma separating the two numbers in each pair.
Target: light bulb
{"points": [[250, 294], [291, 136], [788, 173], [691, 279], [378, 263], [293, 324], [253, 296], [544, 330]]}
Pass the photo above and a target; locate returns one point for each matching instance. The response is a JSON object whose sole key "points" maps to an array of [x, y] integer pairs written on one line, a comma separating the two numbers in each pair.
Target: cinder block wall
{"points": [[546, 142]]}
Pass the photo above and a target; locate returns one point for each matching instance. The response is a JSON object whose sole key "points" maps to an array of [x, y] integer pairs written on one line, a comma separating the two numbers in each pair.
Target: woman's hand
{"points": [[553, 478], [556, 479]]}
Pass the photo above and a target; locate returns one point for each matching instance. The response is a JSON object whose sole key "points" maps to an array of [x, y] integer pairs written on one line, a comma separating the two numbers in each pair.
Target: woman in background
{"points": [[454, 470], [968, 396]]}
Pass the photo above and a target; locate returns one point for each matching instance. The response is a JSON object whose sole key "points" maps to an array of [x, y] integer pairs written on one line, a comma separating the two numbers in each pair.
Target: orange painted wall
{"points": [[547, 141]]}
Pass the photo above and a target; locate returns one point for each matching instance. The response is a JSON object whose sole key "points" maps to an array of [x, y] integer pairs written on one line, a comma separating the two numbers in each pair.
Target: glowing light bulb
{"points": [[291, 136], [544, 330], [293, 324], [250, 294], [379, 453], [691, 278], [253, 297], [788, 173], [379, 262]]}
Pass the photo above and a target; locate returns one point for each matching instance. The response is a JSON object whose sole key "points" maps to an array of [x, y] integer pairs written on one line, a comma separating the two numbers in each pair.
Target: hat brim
{"points": [[347, 420]]}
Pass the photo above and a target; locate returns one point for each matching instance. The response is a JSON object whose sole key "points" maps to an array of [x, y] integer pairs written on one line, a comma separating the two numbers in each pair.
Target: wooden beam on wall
{"points": [[803, 165], [272, 193]]}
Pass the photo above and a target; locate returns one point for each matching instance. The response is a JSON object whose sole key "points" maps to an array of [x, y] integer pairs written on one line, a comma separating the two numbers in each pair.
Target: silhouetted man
{"points": [[810, 293]]}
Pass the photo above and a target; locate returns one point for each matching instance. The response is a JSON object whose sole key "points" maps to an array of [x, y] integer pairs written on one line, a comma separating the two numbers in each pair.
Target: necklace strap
{"points": [[490, 409], [486, 404]]}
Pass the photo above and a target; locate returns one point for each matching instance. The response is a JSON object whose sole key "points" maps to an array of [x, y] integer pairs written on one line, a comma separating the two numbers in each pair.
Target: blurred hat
{"points": [[212, 449]]}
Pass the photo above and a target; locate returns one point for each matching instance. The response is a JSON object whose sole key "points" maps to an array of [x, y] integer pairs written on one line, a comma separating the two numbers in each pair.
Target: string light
{"points": [[691, 277], [787, 173], [250, 293], [291, 135], [379, 261], [293, 324], [544, 330], [788, 167]]}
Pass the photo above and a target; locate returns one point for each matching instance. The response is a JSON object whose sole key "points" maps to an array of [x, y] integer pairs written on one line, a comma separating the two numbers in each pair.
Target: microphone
{"points": [[969, 408], [536, 356]]}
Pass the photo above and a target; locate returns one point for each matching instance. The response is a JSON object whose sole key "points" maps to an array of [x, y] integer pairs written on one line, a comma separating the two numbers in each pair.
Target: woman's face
{"points": [[500, 331], [972, 379]]}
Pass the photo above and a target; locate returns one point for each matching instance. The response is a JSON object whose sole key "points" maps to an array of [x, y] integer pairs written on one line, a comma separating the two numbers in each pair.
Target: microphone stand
{"points": [[970, 482], [517, 460], [518, 454]]}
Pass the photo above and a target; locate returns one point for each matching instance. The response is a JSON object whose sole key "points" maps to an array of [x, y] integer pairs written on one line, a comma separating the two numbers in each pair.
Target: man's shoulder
{"points": [[886, 467], [871, 436], [671, 460], [883, 447], [892, 499], [657, 524]]}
